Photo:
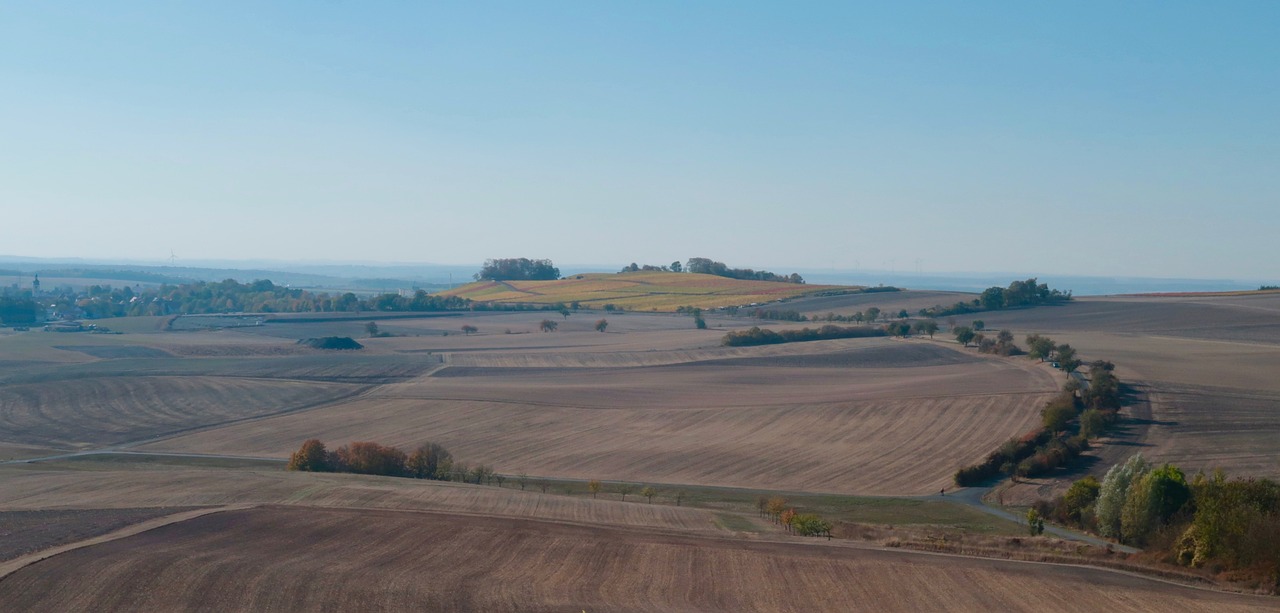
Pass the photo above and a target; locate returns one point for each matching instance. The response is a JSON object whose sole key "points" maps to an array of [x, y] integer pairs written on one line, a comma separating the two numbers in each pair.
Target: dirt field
{"points": [[822, 421], [293, 559], [80, 486], [23, 532], [109, 410]]}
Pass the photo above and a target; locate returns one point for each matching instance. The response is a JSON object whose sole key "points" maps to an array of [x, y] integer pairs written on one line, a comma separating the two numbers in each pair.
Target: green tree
{"points": [[1040, 347], [1115, 492], [594, 487], [648, 492], [979, 325], [872, 313], [1057, 415], [602, 325], [929, 327], [1092, 423], [372, 329], [548, 325], [1035, 523], [1080, 498], [428, 461], [565, 312], [469, 329], [676, 266], [1066, 356], [964, 334], [624, 489]]}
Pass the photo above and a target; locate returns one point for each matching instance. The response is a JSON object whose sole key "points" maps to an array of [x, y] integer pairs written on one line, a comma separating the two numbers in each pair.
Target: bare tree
{"points": [[624, 489]]}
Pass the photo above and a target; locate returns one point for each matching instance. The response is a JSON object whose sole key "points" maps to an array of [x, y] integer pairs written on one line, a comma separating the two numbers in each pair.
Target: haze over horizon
{"points": [[1088, 139]]}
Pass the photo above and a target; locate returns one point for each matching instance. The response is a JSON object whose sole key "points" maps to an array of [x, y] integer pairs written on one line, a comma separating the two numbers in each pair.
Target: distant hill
{"points": [[642, 291]]}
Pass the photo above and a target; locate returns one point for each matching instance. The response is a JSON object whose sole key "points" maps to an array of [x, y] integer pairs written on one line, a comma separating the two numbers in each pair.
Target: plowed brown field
{"points": [[80, 487], [109, 410], [819, 422], [294, 559]]}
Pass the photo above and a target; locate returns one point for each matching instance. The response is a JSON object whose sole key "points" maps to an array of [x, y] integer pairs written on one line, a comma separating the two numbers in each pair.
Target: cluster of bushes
{"points": [[1018, 294], [804, 524], [760, 336], [1004, 460], [1209, 521], [1002, 344], [428, 461], [708, 266], [1043, 348]]}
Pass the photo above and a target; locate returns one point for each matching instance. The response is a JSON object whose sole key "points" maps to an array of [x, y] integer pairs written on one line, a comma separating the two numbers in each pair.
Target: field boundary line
{"points": [[19, 563]]}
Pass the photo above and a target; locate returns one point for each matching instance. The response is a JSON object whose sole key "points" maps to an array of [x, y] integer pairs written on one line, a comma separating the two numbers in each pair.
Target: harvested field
{"points": [[290, 559], [23, 532], [911, 300], [80, 486], [804, 428], [110, 352], [110, 410]]}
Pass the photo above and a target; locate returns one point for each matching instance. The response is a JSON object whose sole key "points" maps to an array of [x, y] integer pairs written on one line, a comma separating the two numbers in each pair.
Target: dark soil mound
{"points": [[331, 342]]}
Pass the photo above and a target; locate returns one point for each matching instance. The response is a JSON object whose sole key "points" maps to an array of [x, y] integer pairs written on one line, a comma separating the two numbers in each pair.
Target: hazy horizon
{"points": [[1088, 140]]}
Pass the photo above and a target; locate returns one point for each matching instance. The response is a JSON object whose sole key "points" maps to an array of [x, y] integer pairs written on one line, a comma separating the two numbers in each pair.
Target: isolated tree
{"points": [[543, 484], [565, 312], [602, 325], [311, 457], [648, 492], [624, 489], [676, 266], [979, 325], [594, 487], [873, 313], [548, 326], [929, 327], [903, 314], [371, 328], [964, 335], [469, 329]]}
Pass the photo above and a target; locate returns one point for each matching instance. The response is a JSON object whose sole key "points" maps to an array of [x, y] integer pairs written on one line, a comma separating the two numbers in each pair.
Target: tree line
{"points": [[517, 269], [708, 266], [428, 461], [1068, 421], [1226, 525], [1019, 294], [760, 336], [804, 524]]}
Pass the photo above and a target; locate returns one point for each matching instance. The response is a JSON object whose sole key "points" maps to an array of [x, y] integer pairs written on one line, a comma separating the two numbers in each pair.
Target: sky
{"points": [[1091, 138]]}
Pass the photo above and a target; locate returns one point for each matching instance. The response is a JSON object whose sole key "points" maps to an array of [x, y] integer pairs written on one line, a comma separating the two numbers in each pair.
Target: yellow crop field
{"points": [[641, 291]]}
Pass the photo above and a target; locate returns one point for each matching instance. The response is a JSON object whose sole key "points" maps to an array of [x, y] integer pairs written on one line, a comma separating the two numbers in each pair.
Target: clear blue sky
{"points": [[1069, 138]]}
